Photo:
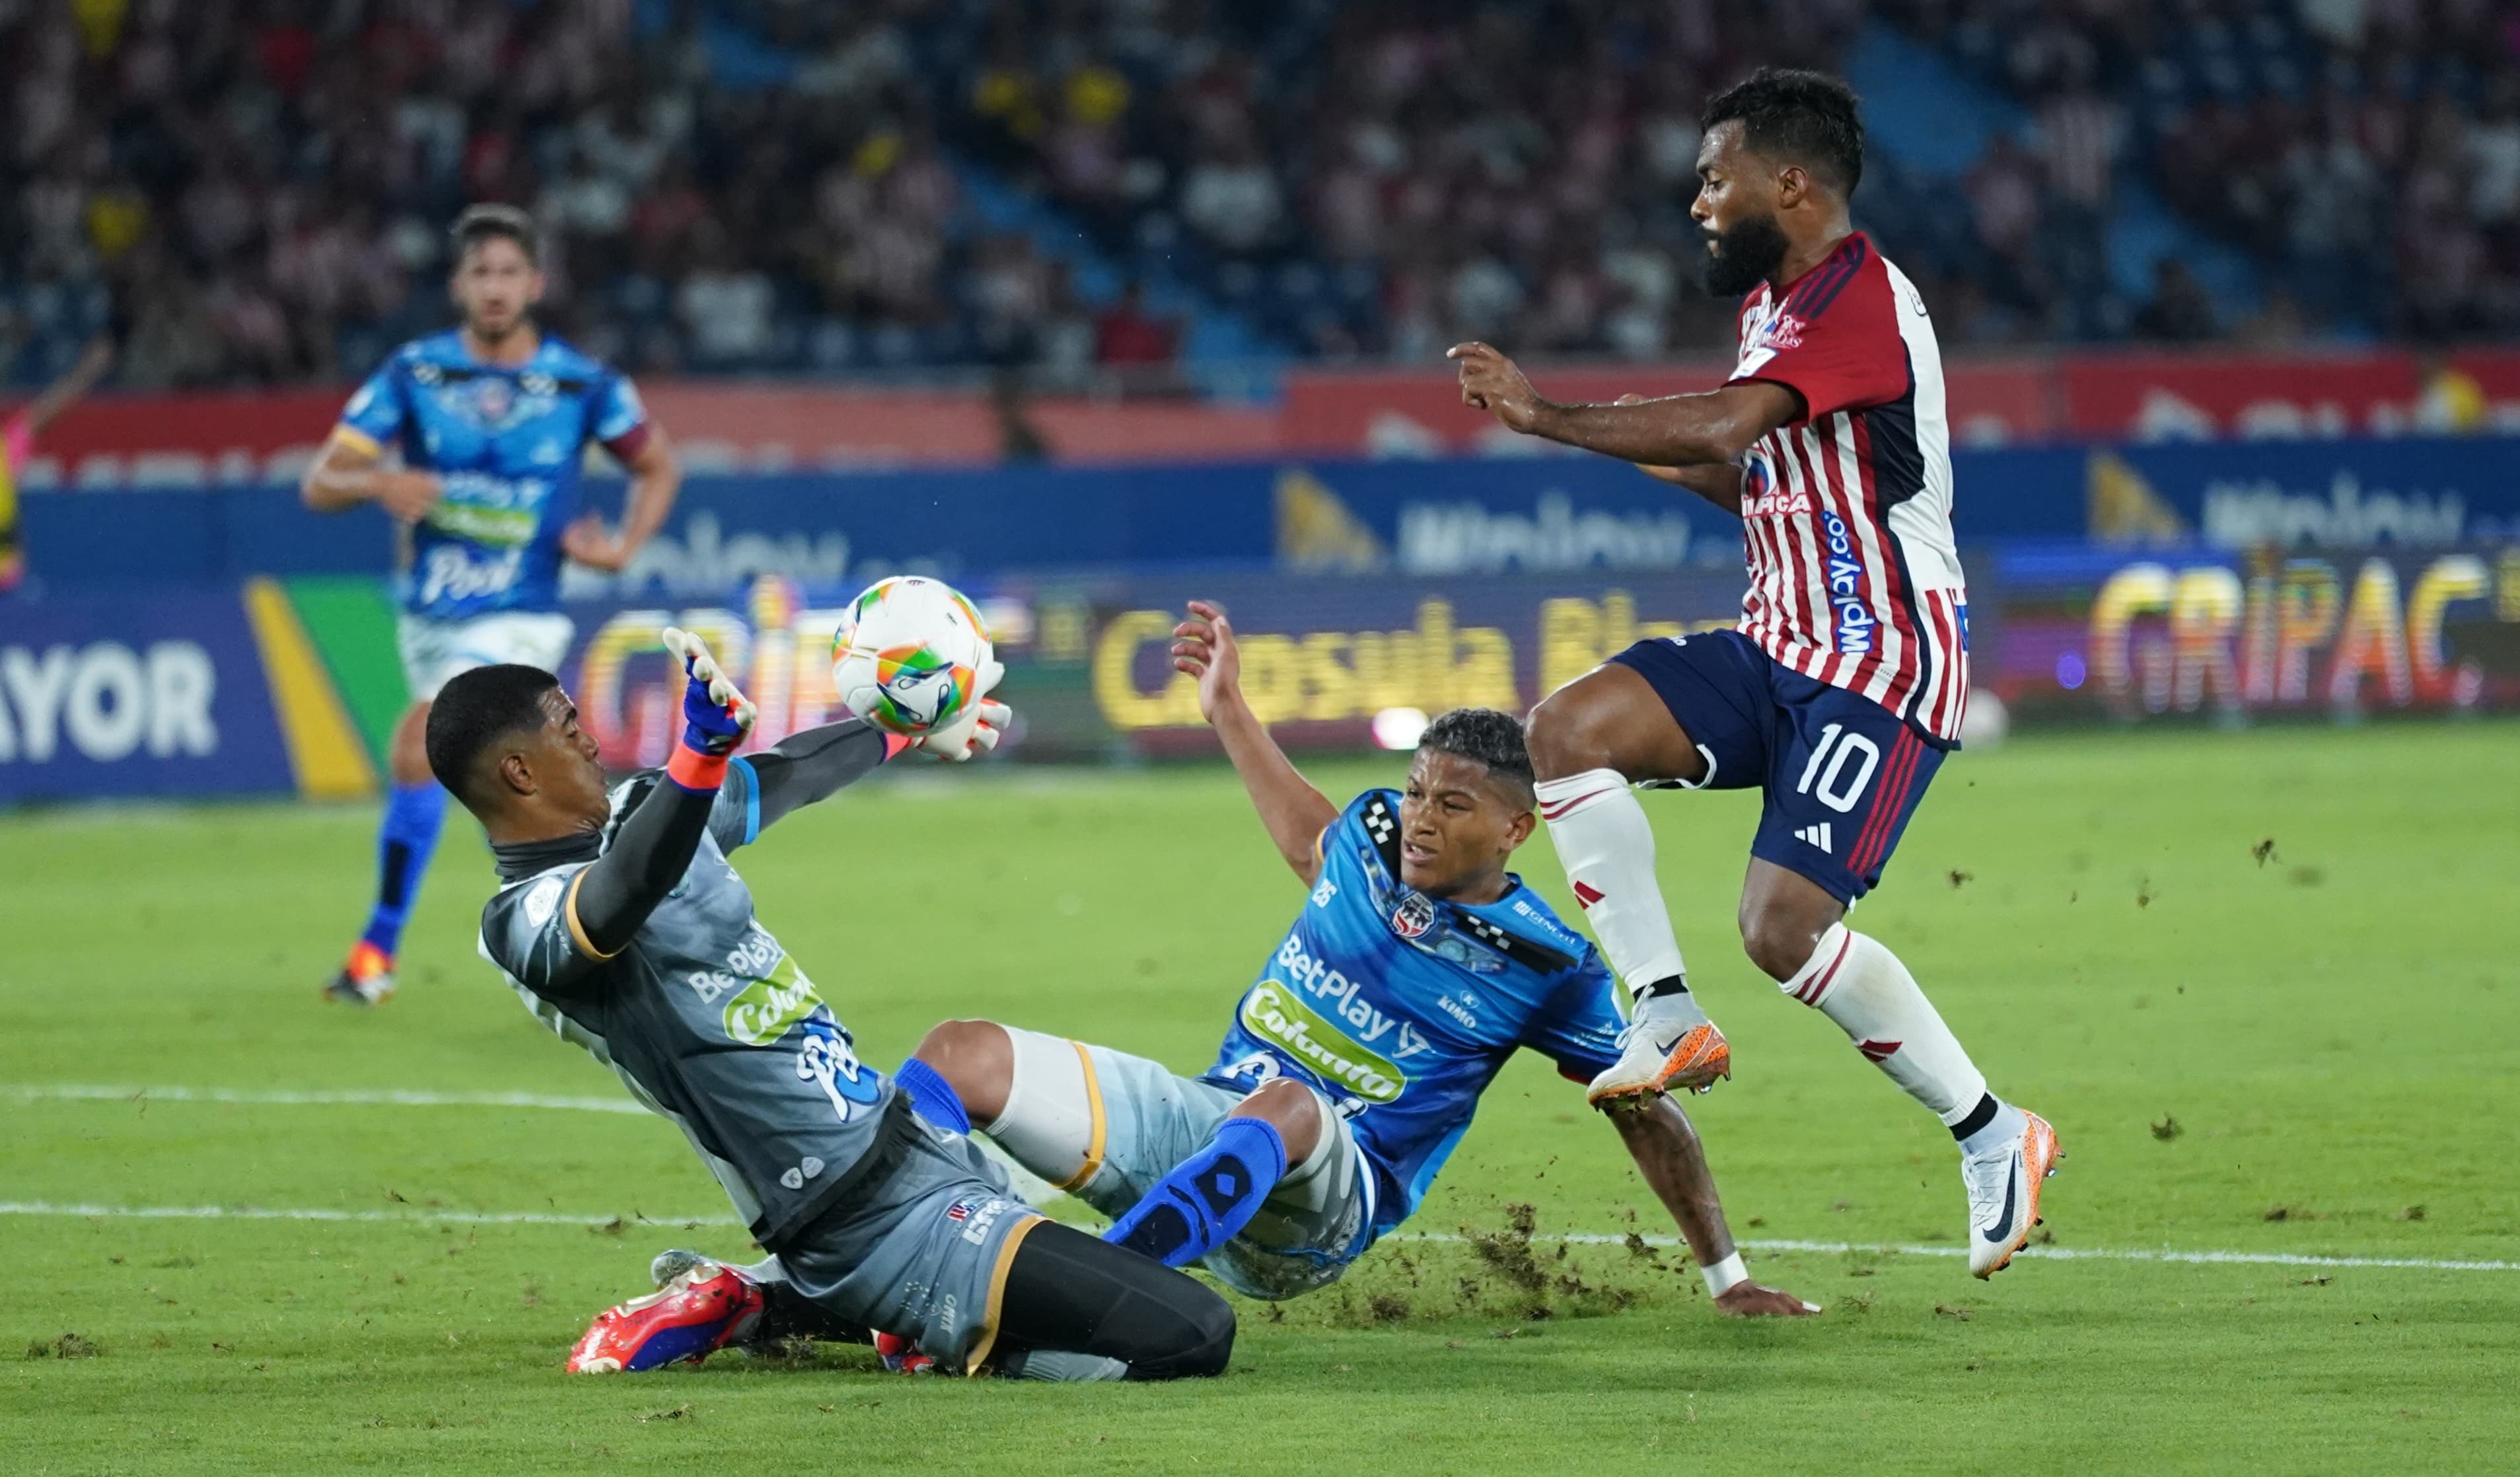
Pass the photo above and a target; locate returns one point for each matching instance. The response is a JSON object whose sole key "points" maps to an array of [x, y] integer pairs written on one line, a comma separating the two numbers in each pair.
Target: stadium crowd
{"points": [[256, 192]]}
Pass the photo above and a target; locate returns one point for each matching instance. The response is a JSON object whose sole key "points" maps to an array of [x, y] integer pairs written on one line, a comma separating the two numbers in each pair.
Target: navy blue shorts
{"points": [[1842, 773]]}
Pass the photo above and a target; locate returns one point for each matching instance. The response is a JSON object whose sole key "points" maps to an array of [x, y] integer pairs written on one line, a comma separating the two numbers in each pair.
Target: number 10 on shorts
{"points": [[1826, 775]]}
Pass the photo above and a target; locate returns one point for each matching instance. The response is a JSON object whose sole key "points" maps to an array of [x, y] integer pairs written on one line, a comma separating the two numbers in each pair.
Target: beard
{"points": [[1744, 256]]}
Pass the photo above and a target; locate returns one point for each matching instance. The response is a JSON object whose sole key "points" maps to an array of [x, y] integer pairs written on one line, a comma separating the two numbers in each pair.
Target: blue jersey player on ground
{"points": [[1417, 966], [492, 421]]}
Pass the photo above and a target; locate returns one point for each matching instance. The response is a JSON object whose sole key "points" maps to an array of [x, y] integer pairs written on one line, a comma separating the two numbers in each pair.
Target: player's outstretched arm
{"points": [[1717, 482], [1665, 1147], [614, 895], [815, 764], [1676, 431], [1295, 813]]}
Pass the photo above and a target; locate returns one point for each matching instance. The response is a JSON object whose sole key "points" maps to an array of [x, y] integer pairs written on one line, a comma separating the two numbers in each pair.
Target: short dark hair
{"points": [[485, 222], [1485, 737], [474, 710], [1806, 117]]}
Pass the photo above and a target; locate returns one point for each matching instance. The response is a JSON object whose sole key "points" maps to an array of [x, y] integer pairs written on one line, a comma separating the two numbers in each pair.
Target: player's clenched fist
{"points": [[1492, 383], [1203, 647]]}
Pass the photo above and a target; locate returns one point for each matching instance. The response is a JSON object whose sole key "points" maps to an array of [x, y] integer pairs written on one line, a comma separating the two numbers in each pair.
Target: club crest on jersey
{"points": [[1856, 622], [1413, 916], [1782, 332], [493, 397]]}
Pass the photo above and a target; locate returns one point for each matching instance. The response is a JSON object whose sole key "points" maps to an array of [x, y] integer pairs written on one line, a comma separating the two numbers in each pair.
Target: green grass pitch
{"points": [[2305, 1055]]}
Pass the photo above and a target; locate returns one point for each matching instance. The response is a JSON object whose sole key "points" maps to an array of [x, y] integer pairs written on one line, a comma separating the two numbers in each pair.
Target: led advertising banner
{"points": [[1332, 661], [2086, 632], [157, 697]]}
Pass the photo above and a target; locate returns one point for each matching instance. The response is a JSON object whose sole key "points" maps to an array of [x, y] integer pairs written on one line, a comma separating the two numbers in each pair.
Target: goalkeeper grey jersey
{"points": [[710, 1023]]}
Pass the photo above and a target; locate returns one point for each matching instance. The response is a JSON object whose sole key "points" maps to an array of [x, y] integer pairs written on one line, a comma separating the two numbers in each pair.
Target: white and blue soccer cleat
{"points": [[2003, 1193]]}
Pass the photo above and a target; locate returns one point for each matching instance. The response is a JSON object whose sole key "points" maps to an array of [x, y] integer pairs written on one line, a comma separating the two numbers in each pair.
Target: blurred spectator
{"points": [[742, 185], [1232, 199], [1127, 336], [2179, 311], [17, 444]]}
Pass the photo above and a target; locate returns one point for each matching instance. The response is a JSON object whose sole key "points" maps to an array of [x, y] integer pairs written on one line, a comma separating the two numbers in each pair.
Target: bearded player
{"points": [[1841, 688], [1415, 967], [491, 420]]}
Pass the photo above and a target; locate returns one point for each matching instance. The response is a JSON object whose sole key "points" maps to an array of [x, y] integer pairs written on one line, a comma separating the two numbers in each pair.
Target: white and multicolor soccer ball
{"points": [[908, 658]]}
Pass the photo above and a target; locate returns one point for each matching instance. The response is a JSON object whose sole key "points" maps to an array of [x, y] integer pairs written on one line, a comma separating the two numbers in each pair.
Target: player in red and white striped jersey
{"points": [[1843, 685]]}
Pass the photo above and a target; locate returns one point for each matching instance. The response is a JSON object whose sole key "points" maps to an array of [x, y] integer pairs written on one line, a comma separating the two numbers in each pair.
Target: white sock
{"points": [[1856, 982], [1607, 847]]}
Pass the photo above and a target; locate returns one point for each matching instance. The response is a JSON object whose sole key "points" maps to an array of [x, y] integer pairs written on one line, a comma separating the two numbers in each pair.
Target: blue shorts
{"points": [[1842, 773]]}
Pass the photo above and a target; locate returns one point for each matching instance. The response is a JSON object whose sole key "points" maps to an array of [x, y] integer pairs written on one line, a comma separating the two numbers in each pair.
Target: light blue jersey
{"points": [[508, 442], [1403, 1008]]}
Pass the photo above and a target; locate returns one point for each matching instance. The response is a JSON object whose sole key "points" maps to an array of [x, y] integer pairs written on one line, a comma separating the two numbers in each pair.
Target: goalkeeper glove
{"points": [[977, 727], [716, 717]]}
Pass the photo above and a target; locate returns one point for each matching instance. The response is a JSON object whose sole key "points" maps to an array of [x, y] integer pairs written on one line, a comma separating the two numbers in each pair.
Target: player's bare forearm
{"points": [[814, 765], [1679, 431], [342, 477], [655, 477], [1675, 431], [73, 387], [1718, 483], [1665, 1147], [1293, 811]]}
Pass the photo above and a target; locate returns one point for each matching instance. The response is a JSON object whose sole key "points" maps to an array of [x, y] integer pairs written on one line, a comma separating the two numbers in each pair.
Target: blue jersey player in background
{"points": [[493, 421], [1415, 967]]}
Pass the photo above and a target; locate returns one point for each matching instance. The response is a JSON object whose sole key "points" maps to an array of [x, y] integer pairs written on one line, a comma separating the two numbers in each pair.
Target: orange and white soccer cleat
{"points": [[2003, 1193], [704, 1308], [1664, 1051], [367, 977]]}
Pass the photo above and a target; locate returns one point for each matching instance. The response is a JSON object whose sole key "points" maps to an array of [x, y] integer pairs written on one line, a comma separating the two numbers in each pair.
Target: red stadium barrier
{"points": [[190, 439]]}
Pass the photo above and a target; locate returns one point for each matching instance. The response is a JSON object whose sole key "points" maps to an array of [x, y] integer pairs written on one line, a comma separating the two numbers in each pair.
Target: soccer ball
{"points": [[908, 658]]}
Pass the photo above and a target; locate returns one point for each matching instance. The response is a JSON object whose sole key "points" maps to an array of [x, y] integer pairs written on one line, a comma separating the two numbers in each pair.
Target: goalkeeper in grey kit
{"points": [[624, 928]]}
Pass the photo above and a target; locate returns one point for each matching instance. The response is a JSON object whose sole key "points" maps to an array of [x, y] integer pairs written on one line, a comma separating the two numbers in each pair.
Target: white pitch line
{"points": [[2051, 1253], [318, 1212], [348, 1097], [1581, 1238]]}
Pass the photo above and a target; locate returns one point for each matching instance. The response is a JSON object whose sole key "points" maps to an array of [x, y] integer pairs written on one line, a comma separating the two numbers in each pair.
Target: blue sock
{"points": [[1207, 1197], [412, 817], [933, 1095]]}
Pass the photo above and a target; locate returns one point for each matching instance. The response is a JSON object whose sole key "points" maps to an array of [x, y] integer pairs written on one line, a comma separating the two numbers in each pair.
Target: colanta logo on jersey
{"points": [[764, 1009], [1856, 622], [1273, 1013]]}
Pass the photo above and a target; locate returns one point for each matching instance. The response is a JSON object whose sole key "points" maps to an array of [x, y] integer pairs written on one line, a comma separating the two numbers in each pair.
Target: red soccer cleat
{"points": [[901, 1356], [700, 1311]]}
